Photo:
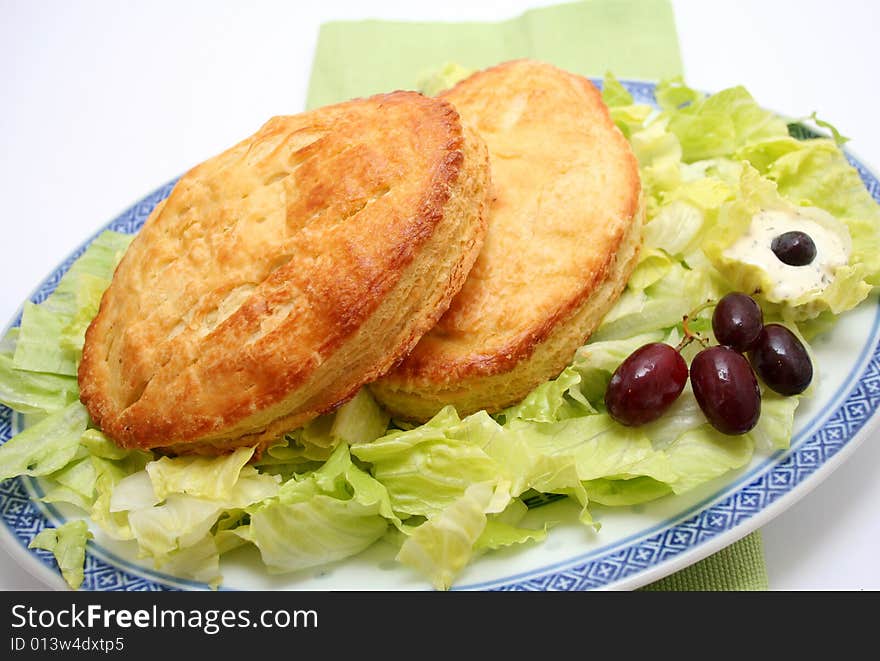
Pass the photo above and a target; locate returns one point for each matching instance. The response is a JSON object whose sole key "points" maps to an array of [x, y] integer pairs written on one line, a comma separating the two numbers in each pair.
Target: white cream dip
{"points": [[791, 282]]}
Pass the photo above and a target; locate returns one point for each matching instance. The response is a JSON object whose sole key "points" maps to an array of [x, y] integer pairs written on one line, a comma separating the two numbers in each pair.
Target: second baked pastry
{"points": [[564, 233]]}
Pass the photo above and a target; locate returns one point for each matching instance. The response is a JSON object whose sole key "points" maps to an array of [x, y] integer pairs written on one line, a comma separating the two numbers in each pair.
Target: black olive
{"points": [[794, 248]]}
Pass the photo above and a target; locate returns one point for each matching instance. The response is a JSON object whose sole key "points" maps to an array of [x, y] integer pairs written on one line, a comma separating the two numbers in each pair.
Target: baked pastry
{"points": [[564, 234], [281, 275]]}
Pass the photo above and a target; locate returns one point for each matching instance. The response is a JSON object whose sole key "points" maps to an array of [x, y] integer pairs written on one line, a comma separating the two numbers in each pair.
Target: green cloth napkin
{"points": [[739, 566], [632, 38]]}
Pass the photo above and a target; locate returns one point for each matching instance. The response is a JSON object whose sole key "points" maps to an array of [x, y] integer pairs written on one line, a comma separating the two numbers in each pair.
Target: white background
{"points": [[104, 101]]}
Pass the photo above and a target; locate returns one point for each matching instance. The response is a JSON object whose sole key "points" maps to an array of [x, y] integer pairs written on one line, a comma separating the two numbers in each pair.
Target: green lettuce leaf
{"points": [[435, 81], [520, 466], [553, 400], [498, 534], [45, 447], [199, 561], [67, 543], [703, 454], [661, 305], [836, 135], [172, 505], [623, 492], [775, 426], [598, 446], [613, 93], [359, 420], [328, 515], [32, 392], [442, 546], [74, 484], [717, 125], [428, 468], [181, 519], [52, 333], [673, 94], [310, 533], [212, 478], [178, 522], [39, 347], [687, 214], [627, 115], [659, 154], [109, 473], [653, 266], [134, 492], [98, 445], [503, 529]]}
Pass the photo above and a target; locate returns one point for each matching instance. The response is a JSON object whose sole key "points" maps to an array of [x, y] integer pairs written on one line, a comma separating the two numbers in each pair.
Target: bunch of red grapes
{"points": [[646, 384]]}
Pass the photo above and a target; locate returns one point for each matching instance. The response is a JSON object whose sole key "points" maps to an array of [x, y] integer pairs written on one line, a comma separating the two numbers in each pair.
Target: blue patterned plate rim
{"points": [[752, 499]]}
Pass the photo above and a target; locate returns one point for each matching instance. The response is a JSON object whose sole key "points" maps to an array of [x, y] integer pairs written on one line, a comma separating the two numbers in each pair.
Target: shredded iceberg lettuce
{"points": [[67, 543], [52, 333]]}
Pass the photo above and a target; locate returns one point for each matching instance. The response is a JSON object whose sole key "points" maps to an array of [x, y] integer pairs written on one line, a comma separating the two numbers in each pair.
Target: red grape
{"points": [[646, 384], [737, 321], [781, 360], [726, 389]]}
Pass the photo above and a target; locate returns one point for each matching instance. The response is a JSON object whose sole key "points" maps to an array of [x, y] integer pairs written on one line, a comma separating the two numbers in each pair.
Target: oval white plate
{"points": [[636, 545]]}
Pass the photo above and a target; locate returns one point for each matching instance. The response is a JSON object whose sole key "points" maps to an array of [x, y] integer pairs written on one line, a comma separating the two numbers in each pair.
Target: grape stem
{"points": [[689, 335]]}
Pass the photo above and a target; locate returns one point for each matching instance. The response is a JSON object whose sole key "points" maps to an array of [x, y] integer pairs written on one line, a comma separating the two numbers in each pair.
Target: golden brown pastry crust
{"points": [[281, 275], [564, 234]]}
